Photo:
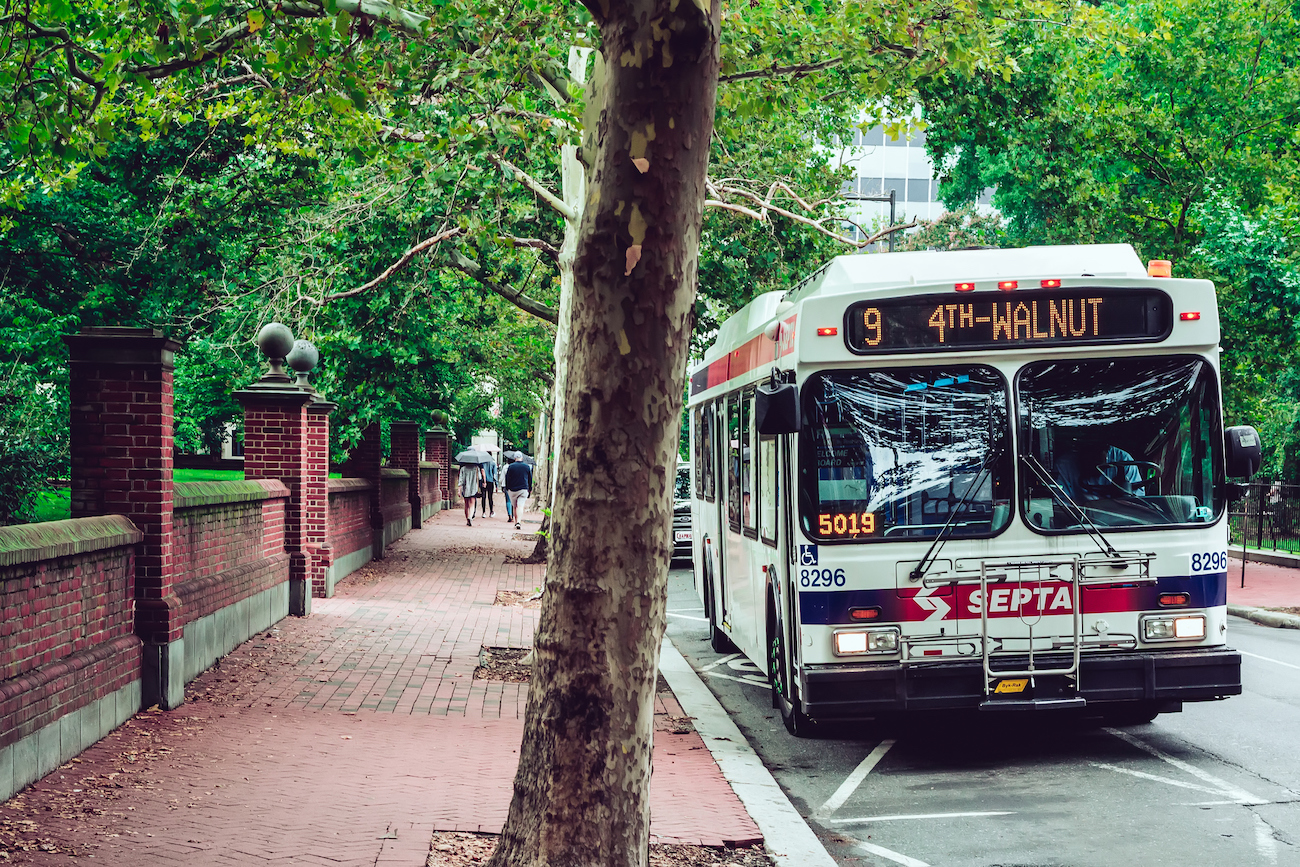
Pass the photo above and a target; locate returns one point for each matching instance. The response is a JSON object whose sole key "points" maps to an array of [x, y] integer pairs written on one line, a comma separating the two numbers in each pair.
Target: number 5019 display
{"points": [[846, 524]]}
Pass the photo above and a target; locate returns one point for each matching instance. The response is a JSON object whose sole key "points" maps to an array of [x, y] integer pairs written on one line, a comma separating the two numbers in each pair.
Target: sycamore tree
{"points": [[469, 104]]}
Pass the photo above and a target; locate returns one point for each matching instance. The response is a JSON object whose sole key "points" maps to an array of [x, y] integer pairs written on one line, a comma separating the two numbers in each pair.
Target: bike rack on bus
{"points": [[1127, 568]]}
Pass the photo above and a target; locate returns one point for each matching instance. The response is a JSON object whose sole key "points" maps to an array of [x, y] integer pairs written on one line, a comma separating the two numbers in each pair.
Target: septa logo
{"points": [[1043, 599], [807, 555]]}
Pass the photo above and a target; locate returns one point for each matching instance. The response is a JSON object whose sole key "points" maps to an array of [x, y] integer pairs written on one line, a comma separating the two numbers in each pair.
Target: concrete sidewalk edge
{"points": [[787, 836], [1266, 617]]}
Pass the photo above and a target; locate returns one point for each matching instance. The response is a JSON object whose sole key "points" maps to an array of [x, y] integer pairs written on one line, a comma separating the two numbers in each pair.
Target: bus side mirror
{"points": [[776, 408], [1241, 451]]}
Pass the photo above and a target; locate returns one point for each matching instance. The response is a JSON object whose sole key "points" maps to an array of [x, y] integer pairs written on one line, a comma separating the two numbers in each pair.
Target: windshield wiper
{"points": [[1058, 493], [919, 572]]}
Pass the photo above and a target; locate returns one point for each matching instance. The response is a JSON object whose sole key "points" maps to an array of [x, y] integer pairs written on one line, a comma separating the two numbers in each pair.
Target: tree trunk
{"points": [[582, 790]]}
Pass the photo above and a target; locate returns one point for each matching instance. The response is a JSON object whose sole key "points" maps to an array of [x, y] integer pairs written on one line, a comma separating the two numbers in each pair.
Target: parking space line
{"points": [[763, 683], [1269, 659], [850, 785], [688, 617], [1223, 786], [1158, 779], [896, 857], [865, 819]]}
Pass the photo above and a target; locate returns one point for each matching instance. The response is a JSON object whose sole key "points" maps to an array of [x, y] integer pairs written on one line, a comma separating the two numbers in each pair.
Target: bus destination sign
{"points": [[1004, 320]]}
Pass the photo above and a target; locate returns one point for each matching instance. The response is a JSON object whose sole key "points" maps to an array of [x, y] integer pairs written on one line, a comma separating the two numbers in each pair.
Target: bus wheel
{"points": [[784, 696], [718, 640]]}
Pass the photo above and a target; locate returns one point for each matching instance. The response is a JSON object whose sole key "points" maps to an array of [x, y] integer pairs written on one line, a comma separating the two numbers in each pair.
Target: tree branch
{"points": [[392, 269], [470, 268], [537, 244], [797, 71], [533, 184]]}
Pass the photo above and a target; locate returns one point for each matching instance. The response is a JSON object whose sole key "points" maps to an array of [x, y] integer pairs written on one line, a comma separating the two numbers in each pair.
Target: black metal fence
{"points": [[1268, 518]]}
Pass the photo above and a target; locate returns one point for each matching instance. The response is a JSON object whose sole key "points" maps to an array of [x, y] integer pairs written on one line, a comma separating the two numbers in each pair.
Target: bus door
{"points": [[741, 519]]}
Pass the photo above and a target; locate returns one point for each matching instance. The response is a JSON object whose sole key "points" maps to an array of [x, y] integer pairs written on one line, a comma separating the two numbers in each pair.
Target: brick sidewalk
{"points": [[348, 737]]}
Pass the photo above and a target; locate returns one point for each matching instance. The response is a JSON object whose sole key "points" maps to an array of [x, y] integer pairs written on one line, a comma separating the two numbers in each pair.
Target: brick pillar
{"points": [[316, 498], [121, 449], [404, 453], [365, 462], [275, 447], [437, 448]]}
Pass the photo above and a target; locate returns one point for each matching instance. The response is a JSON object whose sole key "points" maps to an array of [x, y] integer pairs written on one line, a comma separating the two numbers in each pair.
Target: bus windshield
{"points": [[897, 454], [1133, 442]]}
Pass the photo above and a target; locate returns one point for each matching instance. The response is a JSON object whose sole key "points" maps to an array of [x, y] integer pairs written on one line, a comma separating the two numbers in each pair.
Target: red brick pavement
{"points": [[348, 737], [1267, 585]]}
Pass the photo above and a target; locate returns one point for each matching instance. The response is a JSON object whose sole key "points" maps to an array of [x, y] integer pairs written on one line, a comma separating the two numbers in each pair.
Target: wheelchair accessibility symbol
{"points": [[807, 555]]}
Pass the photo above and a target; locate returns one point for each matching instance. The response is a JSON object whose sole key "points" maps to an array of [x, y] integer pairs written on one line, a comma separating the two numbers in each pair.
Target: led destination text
{"points": [[1019, 320], [1091, 316]]}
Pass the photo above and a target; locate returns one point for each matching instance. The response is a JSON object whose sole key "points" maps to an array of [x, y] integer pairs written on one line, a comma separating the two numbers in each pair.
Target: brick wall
{"points": [[66, 639], [228, 542], [394, 505], [349, 517], [430, 488]]}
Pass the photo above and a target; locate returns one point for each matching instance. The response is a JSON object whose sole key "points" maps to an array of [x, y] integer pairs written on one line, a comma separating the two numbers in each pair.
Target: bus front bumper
{"points": [[847, 692]]}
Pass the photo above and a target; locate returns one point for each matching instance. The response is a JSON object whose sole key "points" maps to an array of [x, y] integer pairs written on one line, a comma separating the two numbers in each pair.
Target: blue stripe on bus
{"points": [[831, 607]]}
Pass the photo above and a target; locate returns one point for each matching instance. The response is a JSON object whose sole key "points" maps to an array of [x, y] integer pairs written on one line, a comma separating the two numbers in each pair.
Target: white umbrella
{"points": [[473, 456], [488, 448]]}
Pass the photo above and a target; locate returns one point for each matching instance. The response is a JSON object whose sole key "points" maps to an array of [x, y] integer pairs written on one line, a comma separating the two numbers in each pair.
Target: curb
{"points": [[1266, 617], [786, 835]]}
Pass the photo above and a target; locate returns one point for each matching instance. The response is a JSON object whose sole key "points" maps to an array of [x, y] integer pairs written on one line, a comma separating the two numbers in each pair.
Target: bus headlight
{"points": [[1184, 628], [859, 641]]}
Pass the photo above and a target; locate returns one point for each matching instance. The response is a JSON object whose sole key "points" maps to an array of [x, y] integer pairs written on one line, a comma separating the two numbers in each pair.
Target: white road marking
{"points": [[751, 681], [687, 609], [1223, 786], [1268, 659], [688, 617], [1265, 842], [1145, 776], [715, 663], [851, 783], [896, 857], [922, 816]]}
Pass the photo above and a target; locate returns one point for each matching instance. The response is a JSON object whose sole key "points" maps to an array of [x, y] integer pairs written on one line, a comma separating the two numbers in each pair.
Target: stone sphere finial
{"points": [[302, 359], [275, 341]]}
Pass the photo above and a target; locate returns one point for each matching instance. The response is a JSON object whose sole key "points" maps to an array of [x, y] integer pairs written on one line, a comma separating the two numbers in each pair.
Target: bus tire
{"points": [[785, 696], [718, 639]]}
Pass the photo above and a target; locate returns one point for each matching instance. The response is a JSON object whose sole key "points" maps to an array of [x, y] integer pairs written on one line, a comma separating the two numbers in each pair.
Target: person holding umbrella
{"points": [[472, 480]]}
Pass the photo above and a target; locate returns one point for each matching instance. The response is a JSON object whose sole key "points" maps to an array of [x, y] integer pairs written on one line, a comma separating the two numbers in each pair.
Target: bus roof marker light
{"points": [[1190, 316], [1160, 268], [1008, 285], [965, 287], [827, 331], [1050, 283]]}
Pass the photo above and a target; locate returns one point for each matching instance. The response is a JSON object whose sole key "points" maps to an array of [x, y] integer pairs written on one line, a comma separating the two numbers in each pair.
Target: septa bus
{"points": [[992, 479]]}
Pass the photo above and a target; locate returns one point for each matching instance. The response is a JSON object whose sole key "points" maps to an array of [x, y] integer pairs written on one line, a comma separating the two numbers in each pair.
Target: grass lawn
{"points": [[56, 505]]}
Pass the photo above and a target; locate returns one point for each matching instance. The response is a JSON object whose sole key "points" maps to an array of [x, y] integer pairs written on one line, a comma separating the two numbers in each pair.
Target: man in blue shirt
{"points": [[1091, 471], [519, 478]]}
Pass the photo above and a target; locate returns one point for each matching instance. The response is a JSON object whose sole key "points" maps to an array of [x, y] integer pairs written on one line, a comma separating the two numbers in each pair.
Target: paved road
{"points": [[1215, 786]]}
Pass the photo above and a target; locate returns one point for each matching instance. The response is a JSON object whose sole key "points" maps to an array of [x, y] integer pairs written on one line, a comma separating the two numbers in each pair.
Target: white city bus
{"points": [[981, 478]]}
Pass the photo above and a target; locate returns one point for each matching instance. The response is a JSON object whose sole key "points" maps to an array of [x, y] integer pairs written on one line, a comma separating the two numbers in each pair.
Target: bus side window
{"points": [[767, 494], [748, 508], [710, 451], [733, 461], [697, 442]]}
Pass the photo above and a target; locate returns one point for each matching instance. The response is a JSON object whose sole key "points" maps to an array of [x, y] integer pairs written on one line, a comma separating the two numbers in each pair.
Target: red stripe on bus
{"points": [[755, 352]]}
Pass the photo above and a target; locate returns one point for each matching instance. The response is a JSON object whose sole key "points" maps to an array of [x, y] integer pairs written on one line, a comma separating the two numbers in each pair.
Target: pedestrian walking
{"points": [[519, 478], [490, 484], [469, 484]]}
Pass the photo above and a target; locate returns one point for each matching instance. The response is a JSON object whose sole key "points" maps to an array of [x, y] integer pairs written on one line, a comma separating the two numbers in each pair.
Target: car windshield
{"points": [[897, 454], [1119, 443]]}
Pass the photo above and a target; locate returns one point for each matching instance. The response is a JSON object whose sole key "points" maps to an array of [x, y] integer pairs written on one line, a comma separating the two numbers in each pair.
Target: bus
{"points": [[985, 478]]}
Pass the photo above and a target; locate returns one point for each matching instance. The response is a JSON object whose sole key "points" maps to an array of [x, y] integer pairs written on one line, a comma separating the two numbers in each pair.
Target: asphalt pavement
{"points": [[1217, 785]]}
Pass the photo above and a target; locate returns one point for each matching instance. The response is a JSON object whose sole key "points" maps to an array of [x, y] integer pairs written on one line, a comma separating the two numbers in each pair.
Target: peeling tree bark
{"points": [[582, 790]]}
